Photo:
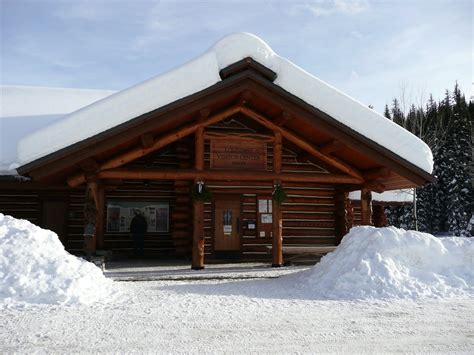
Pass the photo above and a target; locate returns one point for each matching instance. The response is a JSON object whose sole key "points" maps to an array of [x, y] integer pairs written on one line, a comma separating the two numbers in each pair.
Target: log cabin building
{"points": [[231, 155]]}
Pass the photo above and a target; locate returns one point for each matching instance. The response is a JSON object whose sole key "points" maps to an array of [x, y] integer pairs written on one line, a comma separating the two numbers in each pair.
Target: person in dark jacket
{"points": [[138, 227]]}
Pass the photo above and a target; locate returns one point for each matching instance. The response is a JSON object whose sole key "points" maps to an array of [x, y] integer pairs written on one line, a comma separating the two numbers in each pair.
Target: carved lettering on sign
{"points": [[237, 154]]}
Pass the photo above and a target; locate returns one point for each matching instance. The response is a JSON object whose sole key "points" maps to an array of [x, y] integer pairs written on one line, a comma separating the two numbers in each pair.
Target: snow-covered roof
{"points": [[203, 72], [27, 109], [403, 195]]}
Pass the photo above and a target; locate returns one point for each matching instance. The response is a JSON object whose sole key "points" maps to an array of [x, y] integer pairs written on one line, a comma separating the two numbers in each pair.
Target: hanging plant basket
{"points": [[200, 192], [279, 194]]}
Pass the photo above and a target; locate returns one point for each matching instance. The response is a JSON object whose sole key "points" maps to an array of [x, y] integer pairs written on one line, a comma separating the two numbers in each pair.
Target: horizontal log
{"points": [[308, 208], [322, 240], [309, 224], [308, 232], [210, 175], [308, 216]]}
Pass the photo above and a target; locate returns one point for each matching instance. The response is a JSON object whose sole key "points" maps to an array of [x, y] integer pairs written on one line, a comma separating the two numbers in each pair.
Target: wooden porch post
{"points": [[100, 216], [380, 219], [277, 239], [343, 214], [198, 206], [90, 217], [366, 207]]}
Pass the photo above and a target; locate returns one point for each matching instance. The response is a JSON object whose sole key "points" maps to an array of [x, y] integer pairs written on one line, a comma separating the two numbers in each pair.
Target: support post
{"points": [[90, 218], [277, 237], [366, 207], [380, 219], [198, 206], [343, 214], [100, 216]]}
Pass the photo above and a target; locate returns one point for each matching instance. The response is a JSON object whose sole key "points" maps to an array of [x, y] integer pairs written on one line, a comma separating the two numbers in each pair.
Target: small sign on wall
{"points": [[234, 153]]}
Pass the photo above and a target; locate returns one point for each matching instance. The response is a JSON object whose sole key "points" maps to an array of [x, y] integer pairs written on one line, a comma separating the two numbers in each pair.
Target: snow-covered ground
{"points": [[237, 316], [382, 290]]}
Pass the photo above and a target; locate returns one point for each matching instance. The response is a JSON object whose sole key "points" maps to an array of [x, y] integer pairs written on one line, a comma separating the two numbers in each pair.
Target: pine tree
{"points": [[458, 149]]}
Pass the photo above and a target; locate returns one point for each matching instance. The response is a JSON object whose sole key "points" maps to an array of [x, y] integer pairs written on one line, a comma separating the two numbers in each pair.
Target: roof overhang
{"points": [[267, 98]]}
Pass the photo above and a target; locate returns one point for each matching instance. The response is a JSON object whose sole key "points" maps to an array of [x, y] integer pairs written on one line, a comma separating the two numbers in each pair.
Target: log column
{"points": [[90, 217], [198, 206], [277, 238], [380, 219], [366, 207], [100, 216], [343, 214]]}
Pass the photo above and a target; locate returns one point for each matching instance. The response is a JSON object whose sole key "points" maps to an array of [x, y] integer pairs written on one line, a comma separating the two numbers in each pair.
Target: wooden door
{"points": [[227, 225]]}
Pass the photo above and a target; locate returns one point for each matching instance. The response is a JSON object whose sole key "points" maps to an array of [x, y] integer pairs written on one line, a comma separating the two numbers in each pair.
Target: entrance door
{"points": [[227, 225]]}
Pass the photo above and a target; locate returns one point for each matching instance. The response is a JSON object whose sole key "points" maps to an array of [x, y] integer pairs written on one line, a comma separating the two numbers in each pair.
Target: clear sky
{"points": [[370, 49]]}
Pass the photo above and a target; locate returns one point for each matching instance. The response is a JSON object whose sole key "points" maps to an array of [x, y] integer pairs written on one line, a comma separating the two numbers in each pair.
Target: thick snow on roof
{"points": [[403, 195], [26, 109], [202, 73]]}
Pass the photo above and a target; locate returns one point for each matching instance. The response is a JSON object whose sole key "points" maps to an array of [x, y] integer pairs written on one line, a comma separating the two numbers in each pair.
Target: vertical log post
{"points": [[277, 238], [366, 207], [380, 219], [100, 216], [343, 214], [198, 206], [90, 217]]}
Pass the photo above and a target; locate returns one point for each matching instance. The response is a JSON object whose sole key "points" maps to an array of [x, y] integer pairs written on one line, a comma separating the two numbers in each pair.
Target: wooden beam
{"points": [[217, 175], [374, 185], [366, 207], [331, 147], [147, 140], [199, 149], [303, 144], [282, 119], [277, 228], [198, 206], [245, 97], [99, 228], [159, 143], [377, 173], [277, 153], [89, 165], [90, 217], [198, 236]]}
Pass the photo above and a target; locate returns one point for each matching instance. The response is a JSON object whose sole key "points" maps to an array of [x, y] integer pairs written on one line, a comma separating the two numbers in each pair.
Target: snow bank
{"points": [[35, 268], [204, 72], [393, 263]]}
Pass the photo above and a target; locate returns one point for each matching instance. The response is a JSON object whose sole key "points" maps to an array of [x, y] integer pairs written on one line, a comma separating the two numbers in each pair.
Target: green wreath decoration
{"points": [[279, 194], [203, 194]]}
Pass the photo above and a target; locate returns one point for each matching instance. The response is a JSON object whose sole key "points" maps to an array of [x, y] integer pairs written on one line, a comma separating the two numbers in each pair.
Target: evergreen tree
{"points": [[458, 150]]}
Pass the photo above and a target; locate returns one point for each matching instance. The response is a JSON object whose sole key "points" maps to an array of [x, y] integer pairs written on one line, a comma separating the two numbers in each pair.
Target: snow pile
{"points": [[35, 268], [394, 263]]}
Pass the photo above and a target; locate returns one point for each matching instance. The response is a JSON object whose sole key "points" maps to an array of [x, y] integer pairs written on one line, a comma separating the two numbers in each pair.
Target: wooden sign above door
{"points": [[234, 153]]}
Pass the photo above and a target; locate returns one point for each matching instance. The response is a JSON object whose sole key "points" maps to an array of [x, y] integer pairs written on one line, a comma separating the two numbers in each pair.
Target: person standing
{"points": [[138, 228]]}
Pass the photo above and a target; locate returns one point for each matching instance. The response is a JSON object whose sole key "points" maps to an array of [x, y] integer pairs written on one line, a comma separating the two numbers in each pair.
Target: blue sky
{"points": [[372, 50]]}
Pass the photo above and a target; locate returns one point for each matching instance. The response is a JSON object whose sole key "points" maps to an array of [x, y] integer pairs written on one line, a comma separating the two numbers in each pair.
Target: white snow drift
{"points": [[203, 72], [35, 268], [392, 263]]}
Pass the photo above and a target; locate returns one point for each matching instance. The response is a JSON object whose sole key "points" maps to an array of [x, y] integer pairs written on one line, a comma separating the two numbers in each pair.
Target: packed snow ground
{"points": [[237, 317]]}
